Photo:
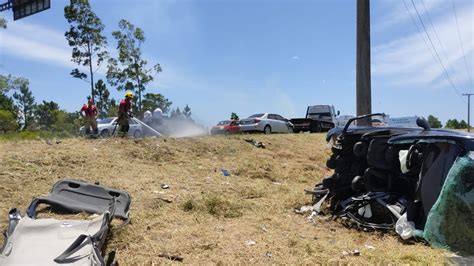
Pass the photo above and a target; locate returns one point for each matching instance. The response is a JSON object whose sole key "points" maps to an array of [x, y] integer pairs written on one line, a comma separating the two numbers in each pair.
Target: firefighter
{"points": [[89, 113], [125, 113]]}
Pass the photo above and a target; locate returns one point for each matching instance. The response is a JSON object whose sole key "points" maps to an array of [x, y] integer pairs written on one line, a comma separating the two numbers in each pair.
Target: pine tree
{"points": [[25, 102], [86, 39]]}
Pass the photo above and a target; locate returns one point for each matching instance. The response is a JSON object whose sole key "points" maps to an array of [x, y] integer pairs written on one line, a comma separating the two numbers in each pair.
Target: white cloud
{"points": [[38, 43], [295, 57], [408, 62], [398, 14], [35, 43]]}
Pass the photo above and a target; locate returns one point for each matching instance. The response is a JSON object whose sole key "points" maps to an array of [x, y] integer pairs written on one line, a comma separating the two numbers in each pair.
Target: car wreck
{"points": [[416, 181]]}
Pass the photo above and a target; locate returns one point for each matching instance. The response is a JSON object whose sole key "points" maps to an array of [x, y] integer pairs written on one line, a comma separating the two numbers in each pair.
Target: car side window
{"points": [[272, 116], [279, 117]]}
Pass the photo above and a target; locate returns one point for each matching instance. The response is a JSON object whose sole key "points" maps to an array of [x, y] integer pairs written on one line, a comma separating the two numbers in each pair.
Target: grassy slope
{"points": [[211, 215]]}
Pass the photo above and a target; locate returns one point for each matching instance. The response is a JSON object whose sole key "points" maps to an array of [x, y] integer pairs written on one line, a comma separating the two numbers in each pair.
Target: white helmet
{"points": [[157, 113]]}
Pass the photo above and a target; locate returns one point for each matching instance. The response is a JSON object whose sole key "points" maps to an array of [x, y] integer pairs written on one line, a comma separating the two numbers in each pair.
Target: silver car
{"points": [[107, 125], [266, 123]]}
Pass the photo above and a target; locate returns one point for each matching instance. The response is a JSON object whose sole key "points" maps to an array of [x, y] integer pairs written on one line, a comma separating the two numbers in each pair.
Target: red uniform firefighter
{"points": [[89, 113], [124, 113]]}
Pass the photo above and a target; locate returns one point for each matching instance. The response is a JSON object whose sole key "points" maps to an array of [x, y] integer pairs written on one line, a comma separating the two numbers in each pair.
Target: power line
{"points": [[441, 44], [419, 31], [462, 46], [436, 52]]}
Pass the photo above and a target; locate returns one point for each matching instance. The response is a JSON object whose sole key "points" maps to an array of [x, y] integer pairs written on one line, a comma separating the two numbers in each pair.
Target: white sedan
{"points": [[266, 123], [107, 125]]}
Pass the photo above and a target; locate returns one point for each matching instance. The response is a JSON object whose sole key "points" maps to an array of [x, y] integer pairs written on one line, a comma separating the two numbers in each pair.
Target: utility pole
{"points": [[468, 110], [363, 85]]}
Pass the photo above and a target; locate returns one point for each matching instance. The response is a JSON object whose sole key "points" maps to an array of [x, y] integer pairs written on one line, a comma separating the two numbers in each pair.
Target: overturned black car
{"points": [[418, 181]]}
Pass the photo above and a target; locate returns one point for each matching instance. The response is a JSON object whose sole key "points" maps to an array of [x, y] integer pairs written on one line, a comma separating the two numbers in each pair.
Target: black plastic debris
{"points": [[171, 257], [257, 144]]}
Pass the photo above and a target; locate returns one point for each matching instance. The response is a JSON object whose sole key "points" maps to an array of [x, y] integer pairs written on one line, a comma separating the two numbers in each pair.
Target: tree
{"points": [[102, 99], [176, 113], [47, 114], [434, 122], [7, 121], [452, 123], [133, 73], [187, 111], [463, 124], [86, 39], [234, 116], [3, 23], [113, 108], [6, 103], [25, 102], [151, 101]]}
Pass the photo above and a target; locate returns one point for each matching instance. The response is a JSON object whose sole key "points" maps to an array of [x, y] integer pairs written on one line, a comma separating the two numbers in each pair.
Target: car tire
{"points": [[105, 133], [317, 128], [267, 129], [137, 134]]}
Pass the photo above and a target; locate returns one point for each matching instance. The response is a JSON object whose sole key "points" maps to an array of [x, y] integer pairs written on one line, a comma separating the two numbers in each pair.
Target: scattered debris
{"points": [[225, 172], [167, 200], [58, 141], [354, 252], [268, 254], [369, 246], [276, 183], [165, 186], [316, 208], [171, 257], [47, 141], [304, 209], [250, 242], [257, 144]]}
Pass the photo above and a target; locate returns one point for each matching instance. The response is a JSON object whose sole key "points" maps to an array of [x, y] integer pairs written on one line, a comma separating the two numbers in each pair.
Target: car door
{"points": [[274, 123], [283, 124], [234, 127]]}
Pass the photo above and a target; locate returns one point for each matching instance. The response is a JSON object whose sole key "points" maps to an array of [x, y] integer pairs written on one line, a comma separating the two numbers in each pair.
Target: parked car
{"points": [[266, 123], [106, 127], [226, 127]]}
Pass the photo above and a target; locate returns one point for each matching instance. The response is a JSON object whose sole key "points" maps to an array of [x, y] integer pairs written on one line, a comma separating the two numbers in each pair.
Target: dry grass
{"points": [[212, 215]]}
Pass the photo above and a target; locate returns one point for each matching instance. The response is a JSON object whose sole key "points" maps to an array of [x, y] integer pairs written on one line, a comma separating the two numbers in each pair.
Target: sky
{"points": [[254, 56]]}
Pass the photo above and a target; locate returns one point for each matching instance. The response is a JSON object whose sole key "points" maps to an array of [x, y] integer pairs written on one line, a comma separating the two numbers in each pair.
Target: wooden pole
{"points": [[363, 84]]}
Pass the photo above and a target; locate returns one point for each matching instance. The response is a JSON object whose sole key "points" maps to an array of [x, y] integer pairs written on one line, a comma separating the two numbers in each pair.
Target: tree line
{"points": [[128, 71], [451, 123]]}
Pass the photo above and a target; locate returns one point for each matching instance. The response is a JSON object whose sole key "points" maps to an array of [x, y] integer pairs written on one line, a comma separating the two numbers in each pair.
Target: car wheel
{"points": [[267, 129], [105, 133], [137, 134], [317, 128]]}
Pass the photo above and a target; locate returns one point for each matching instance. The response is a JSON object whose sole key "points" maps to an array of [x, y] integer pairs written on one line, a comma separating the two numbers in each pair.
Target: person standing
{"points": [[124, 113], [89, 113]]}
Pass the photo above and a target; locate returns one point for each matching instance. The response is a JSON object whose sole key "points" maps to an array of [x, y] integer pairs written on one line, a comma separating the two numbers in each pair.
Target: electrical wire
{"points": [[419, 31], [462, 46], [441, 45], [436, 52]]}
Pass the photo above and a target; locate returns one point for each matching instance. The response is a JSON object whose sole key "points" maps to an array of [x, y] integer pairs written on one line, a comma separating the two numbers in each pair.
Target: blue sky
{"points": [[264, 56]]}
